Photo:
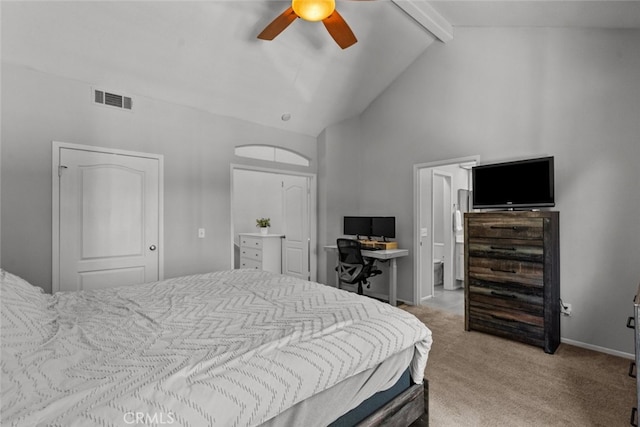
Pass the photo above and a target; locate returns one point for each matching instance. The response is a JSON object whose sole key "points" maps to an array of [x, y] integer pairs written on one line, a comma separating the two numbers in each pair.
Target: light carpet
{"points": [[477, 379]]}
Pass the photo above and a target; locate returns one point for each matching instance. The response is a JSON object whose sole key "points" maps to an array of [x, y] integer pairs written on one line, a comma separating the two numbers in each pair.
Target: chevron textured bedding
{"points": [[230, 348]]}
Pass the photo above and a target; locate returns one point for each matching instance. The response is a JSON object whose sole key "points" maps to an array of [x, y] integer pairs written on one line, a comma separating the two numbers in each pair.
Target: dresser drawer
{"points": [[506, 296], [506, 228], [506, 271], [522, 250], [250, 253], [507, 323], [251, 242], [250, 263]]}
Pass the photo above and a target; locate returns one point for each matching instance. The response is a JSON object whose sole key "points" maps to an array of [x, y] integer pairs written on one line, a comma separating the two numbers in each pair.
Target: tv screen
{"points": [[357, 226], [383, 226], [518, 184]]}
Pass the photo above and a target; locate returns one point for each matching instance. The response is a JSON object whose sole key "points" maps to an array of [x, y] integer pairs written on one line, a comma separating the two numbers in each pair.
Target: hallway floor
{"points": [[451, 301]]}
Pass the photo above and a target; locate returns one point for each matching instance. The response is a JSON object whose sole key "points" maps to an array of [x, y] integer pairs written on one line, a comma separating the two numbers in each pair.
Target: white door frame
{"points": [[417, 193], [313, 221], [56, 146]]}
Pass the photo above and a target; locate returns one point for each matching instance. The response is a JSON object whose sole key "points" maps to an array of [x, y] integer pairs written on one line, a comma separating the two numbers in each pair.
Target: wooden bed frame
{"points": [[406, 408]]}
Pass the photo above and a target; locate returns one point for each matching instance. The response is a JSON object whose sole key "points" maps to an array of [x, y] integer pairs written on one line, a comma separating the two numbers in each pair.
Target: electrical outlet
{"points": [[565, 309], [201, 233]]}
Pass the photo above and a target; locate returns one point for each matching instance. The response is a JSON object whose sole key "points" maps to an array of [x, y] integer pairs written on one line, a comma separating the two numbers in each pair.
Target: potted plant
{"points": [[263, 224]]}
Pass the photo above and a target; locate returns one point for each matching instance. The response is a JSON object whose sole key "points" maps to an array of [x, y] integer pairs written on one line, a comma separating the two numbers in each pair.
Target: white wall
{"points": [[197, 146], [256, 195], [339, 180], [508, 93]]}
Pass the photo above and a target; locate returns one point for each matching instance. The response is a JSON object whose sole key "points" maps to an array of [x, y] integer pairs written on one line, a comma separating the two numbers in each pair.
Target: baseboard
{"points": [[598, 348]]}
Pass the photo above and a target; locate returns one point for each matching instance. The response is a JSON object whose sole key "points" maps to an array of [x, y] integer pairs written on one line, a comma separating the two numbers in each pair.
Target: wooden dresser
{"points": [[261, 251], [512, 276]]}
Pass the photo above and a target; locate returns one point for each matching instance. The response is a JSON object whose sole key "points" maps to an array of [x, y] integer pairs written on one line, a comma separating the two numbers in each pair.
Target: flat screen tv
{"points": [[518, 184], [383, 226], [357, 226]]}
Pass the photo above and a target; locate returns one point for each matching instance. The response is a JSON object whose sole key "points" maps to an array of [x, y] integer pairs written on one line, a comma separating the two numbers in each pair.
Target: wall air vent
{"points": [[107, 98]]}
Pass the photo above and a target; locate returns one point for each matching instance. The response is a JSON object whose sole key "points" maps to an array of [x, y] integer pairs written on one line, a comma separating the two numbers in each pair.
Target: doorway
{"points": [[441, 193], [288, 199], [107, 217]]}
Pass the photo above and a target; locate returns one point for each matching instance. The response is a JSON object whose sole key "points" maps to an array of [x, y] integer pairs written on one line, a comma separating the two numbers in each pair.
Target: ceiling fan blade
{"points": [[278, 25], [339, 30]]}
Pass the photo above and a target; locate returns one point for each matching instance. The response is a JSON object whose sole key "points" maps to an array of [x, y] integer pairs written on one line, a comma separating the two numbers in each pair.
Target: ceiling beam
{"points": [[425, 15]]}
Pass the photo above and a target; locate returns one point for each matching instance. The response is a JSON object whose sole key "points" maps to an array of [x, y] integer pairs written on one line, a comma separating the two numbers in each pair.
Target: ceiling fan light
{"points": [[313, 10]]}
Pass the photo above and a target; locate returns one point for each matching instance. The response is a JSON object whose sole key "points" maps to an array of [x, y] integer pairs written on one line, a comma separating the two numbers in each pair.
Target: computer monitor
{"points": [[357, 226], [383, 226]]}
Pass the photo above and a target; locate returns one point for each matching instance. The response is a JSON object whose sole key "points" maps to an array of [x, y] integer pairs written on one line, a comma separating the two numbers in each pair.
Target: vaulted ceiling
{"points": [[205, 54]]}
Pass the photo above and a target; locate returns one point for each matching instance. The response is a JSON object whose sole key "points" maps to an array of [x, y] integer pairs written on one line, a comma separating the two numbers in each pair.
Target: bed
{"points": [[228, 348]]}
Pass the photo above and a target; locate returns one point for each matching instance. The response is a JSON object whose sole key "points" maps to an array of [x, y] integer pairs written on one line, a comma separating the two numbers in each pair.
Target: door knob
{"points": [[152, 247]]}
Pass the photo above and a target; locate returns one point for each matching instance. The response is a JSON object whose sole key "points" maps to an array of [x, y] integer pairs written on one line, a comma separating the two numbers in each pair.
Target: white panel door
{"points": [[109, 219], [442, 225], [295, 196]]}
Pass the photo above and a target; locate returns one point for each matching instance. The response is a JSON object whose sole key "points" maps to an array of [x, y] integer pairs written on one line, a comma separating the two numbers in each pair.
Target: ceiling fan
{"points": [[313, 10]]}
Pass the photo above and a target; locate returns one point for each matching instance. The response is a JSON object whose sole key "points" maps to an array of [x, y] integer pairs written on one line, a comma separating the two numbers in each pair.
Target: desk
{"points": [[384, 254]]}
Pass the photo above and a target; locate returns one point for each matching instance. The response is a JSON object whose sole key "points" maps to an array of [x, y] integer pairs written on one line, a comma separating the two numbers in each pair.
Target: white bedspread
{"points": [[232, 348]]}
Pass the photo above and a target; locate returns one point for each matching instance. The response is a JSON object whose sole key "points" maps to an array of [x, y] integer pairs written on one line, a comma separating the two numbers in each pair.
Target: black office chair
{"points": [[352, 266]]}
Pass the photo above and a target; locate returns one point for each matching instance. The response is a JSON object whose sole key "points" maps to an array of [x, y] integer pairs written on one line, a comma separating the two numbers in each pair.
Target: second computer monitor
{"points": [[383, 226]]}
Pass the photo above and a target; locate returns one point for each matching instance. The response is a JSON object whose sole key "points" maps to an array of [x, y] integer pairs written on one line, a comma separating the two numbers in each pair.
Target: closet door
{"points": [[109, 219], [295, 196]]}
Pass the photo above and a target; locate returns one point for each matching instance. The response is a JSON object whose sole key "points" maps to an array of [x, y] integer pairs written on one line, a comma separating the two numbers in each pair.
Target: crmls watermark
{"points": [[146, 418]]}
